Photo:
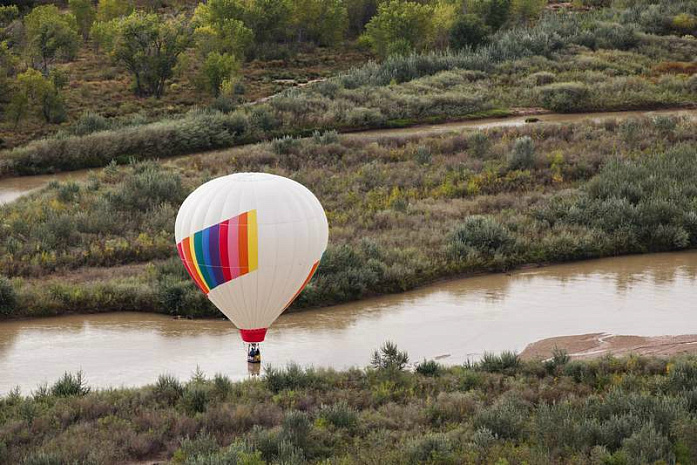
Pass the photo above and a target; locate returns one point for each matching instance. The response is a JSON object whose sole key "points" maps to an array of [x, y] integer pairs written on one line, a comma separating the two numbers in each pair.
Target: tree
{"points": [[469, 31], [445, 13], [268, 19], [321, 21], [50, 35], [494, 12], [84, 13], [230, 36], [112, 9], [217, 70], [149, 47], [8, 14], [37, 92], [526, 11], [7, 65], [399, 27], [360, 12]]}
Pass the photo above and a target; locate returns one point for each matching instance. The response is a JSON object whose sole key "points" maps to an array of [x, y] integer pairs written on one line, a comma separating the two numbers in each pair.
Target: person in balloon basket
{"points": [[254, 355]]}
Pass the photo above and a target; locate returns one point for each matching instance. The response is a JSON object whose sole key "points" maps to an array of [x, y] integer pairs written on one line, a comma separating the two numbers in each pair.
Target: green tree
{"points": [[149, 47], [112, 9], [218, 69], [230, 36], [7, 66], [494, 12], [360, 12], [469, 31], [321, 21], [525, 11], [84, 13], [399, 27], [35, 92], [8, 14], [269, 19], [50, 35]]}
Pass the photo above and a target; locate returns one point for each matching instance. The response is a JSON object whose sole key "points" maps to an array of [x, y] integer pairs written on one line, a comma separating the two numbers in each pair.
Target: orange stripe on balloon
{"points": [[307, 280]]}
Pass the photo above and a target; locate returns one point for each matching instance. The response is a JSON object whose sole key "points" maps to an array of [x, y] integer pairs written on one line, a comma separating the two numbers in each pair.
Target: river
{"points": [[647, 295], [13, 188]]}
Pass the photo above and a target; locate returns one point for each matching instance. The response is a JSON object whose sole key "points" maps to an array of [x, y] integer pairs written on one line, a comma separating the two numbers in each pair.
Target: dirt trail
{"points": [[594, 345]]}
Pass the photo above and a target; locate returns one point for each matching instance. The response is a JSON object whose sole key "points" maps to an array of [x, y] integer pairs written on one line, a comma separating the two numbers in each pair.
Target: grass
{"points": [[403, 211], [627, 410]]}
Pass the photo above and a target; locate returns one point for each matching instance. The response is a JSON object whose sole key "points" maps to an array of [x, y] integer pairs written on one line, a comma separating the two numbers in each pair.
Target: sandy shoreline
{"points": [[593, 345]]}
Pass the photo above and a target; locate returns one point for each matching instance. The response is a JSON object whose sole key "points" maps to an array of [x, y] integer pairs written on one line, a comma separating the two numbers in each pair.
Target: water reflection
{"points": [[643, 295]]}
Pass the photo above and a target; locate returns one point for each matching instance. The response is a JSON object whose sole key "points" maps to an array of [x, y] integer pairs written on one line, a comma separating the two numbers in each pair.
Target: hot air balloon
{"points": [[251, 242]]}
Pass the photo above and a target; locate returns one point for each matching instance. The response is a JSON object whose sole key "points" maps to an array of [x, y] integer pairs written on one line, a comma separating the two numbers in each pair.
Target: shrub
{"points": [[70, 385], [292, 377], [88, 123], [431, 448], [506, 362], [469, 31], [169, 389], [542, 78], [505, 419], [648, 446], [522, 157], [8, 297], [339, 415], [480, 234], [564, 96], [388, 357], [196, 398], [429, 368]]}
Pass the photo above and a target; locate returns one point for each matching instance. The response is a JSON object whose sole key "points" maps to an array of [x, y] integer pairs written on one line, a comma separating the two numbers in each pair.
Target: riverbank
{"points": [[595, 345], [500, 410]]}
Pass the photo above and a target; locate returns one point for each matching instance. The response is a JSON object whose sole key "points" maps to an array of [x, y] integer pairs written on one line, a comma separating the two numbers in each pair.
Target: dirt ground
{"points": [[586, 346]]}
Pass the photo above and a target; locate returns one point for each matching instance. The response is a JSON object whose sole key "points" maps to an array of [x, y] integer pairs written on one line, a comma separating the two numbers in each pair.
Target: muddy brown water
{"points": [[647, 295], [13, 188]]}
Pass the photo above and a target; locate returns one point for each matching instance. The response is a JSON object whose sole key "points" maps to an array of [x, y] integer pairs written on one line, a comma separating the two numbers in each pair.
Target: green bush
{"points": [[522, 157], [480, 234], [169, 389], [506, 362], [469, 31], [70, 385], [564, 96], [429, 368], [8, 297], [340, 415], [389, 357]]}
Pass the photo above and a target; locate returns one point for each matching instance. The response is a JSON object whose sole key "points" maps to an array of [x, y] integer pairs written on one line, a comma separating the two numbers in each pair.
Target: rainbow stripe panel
{"points": [[222, 252]]}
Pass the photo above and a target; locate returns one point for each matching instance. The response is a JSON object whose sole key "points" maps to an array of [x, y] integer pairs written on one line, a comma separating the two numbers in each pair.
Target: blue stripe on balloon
{"points": [[207, 257]]}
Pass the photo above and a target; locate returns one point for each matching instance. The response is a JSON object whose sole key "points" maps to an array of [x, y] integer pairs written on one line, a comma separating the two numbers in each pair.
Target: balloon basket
{"points": [[253, 351]]}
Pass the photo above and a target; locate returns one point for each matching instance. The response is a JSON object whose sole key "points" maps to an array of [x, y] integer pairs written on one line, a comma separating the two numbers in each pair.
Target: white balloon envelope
{"points": [[251, 242]]}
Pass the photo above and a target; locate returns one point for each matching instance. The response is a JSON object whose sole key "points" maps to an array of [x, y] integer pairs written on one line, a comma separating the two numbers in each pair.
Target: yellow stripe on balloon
{"points": [[252, 240], [198, 269]]}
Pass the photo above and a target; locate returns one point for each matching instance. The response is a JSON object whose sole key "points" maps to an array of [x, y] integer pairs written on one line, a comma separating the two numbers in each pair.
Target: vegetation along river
{"points": [[645, 295], [13, 188]]}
